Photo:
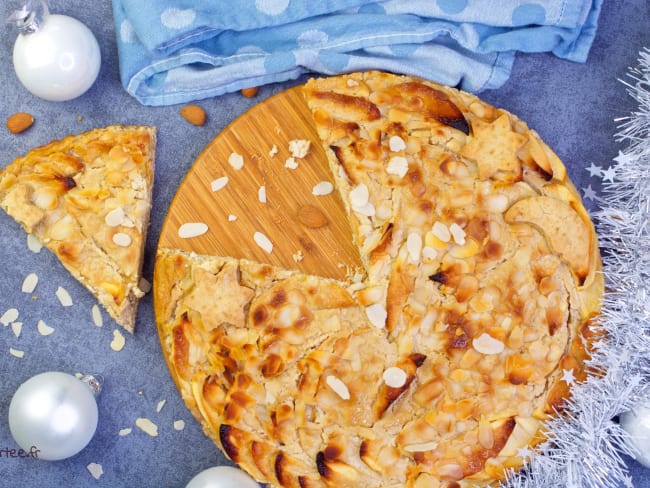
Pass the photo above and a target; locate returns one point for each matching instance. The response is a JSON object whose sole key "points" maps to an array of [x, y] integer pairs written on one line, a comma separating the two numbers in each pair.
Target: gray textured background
{"points": [[572, 106]]}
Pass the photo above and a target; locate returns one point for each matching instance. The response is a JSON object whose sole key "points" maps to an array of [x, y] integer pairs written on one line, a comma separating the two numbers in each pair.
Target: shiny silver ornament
{"points": [[222, 477], [54, 414], [55, 57], [636, 423]]}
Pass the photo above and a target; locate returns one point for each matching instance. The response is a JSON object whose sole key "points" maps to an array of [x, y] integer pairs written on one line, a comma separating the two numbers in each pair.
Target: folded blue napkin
{"points": [[176, 51]]}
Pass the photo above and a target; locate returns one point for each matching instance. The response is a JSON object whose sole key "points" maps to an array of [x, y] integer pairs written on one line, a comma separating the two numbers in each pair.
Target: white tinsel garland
{"points": [[585, 447]]}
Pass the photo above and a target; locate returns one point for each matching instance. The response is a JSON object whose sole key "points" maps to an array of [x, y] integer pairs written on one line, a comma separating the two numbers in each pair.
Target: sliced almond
{"points": [[441, 231], [263, 241], [421, 447], [396, 143], [397, 165], [97, 316], [11, 315], [414, 246], [124, 432], [29, 283], [16, 353], [44, 329], [298, 256], [236, 161], [486, 344], [33, 244], [377, 315], [95, 470], [128, 223], [17, 328], [457, 233], [64, 297], [121, 239], [115, 217], [395, 377], [368, 210], [192, 229], [147, 426], [118, 342], [219, 183], [359, 196], [338, 386], [299, 148], [322, 188], [160, 405], [429, 253], [291, 163]]}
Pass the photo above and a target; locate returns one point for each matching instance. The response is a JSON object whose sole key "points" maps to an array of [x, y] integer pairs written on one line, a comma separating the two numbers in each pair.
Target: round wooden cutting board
{"points": [[234, 213]]}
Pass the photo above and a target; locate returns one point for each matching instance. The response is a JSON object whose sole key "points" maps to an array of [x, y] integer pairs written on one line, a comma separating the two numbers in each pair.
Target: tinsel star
{"points": [[609, 174], [524, 453], [568, 377], [623, 158], [588, 193], [594, 170]]}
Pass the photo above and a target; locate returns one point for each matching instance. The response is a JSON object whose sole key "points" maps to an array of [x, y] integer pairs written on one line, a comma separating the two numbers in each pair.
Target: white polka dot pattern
{"points": [[127, 34], [174, 18], [312, 38], [161, 44], [271, 7]]}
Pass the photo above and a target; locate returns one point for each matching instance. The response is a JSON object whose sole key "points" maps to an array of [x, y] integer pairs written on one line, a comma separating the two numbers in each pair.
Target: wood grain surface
{"points": [[234, 213]]}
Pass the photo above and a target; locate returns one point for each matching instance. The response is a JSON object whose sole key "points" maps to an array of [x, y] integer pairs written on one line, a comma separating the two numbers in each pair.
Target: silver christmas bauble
{"points": [[53, 415], [222, 477], [55, 57], [636, 423]]}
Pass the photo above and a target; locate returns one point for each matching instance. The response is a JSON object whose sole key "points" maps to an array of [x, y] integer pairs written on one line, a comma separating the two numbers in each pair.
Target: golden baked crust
{"points": [[87, 198], [483, 275]]}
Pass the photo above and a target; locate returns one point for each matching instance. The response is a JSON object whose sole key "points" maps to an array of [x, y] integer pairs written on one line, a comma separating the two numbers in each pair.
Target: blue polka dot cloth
{"points": [[176, 51]]}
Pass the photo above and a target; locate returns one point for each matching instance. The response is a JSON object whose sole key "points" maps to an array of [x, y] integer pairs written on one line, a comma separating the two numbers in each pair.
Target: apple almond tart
{"points": [[87, 198], [440, 366]]}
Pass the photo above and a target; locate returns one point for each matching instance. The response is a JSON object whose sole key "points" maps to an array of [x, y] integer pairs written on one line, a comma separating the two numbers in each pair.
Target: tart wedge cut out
{"points": [[87, 198]]}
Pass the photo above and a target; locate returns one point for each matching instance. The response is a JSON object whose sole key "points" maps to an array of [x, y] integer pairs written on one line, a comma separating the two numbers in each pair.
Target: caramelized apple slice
{"points": [[564, 228]]}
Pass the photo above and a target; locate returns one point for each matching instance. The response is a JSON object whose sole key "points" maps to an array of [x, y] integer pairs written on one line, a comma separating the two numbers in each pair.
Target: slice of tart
{"points": [[87, 198]]}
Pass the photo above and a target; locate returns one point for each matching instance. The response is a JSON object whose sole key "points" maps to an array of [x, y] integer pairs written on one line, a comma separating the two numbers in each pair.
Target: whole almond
{"points": [[312, 217], [19, 122], [250, 92], [194, 114]]}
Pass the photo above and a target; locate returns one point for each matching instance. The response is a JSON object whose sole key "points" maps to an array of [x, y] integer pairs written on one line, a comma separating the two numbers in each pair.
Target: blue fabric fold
{"points": [[176, 51]]}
